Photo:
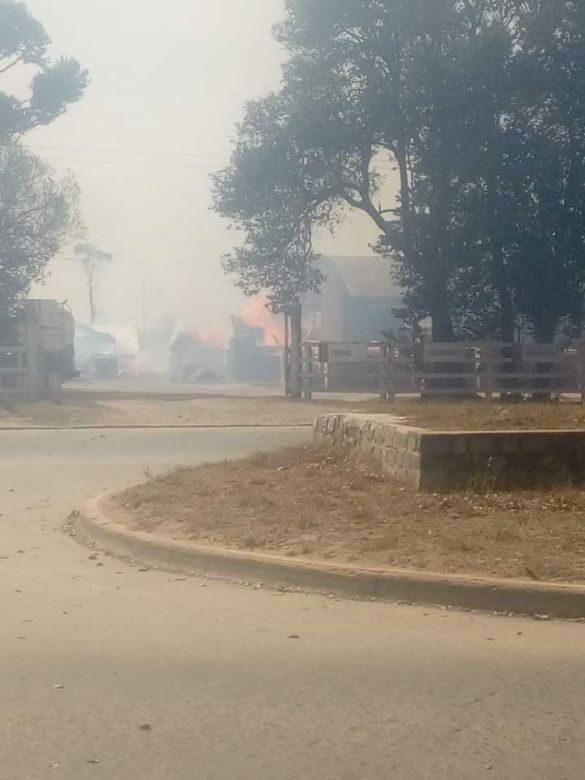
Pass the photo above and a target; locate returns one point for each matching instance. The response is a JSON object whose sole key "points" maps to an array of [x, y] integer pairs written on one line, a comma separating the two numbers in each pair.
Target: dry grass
{"points": [[483, 416], [321, 503]]}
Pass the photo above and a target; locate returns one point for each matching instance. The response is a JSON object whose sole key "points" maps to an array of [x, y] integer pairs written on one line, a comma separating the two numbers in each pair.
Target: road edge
{"points": [[154, 427], [100, 523]]}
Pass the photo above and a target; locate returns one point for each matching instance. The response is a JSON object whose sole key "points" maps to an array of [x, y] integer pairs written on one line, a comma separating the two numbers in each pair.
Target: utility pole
{"points": [[143, 305]]}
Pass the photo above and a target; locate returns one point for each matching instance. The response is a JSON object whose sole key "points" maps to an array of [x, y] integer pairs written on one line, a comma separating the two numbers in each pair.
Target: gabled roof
{"points": [[363, 277]]}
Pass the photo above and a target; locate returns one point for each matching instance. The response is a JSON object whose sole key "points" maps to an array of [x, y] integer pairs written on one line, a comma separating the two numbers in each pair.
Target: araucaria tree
{"points": [[37, 210], [477, 106], [54, 85]]}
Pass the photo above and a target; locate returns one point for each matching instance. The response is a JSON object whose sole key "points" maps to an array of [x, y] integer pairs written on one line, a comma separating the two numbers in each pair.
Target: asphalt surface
{"points": [[111, 672]]}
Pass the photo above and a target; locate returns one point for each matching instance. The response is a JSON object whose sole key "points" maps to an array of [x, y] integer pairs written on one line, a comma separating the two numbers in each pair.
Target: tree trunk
{"points": [[501, 283], [438, 305], [296, 335], [92, 311], [508, 316], [286, 354]]}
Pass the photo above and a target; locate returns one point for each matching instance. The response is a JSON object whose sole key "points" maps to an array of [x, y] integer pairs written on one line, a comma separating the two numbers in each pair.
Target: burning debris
{"points": [[195, 360], [257, 315], [250, 359], [253, 352]]}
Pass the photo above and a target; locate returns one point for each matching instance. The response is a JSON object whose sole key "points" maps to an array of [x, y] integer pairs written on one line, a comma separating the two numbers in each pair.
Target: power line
{"points": [[130, 152], [132, 164], [157, 251]]}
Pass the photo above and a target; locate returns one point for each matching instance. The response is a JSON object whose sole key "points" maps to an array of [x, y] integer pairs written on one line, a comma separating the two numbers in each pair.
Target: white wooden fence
{"points": [[482, 368]]}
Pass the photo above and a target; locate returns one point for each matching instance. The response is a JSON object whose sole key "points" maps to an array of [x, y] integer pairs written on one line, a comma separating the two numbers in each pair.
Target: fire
{"points": [[213, 337], [256, 315]]}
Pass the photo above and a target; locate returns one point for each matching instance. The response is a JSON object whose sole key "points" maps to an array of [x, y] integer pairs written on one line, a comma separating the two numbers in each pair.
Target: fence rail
{"points": [[488, 369]]}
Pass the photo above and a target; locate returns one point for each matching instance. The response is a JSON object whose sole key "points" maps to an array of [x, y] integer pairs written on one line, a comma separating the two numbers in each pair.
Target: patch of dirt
{"points": [[327, 504], [75, 409], [84, 408]]}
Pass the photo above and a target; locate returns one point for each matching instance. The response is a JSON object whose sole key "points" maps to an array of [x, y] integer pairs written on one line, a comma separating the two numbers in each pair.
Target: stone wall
{"points": [[437, 461]]}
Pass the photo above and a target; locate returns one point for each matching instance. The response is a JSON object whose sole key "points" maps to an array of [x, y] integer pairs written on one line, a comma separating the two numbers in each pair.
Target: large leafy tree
{"points": [[270, 195], [477, 105], [549, 267]]}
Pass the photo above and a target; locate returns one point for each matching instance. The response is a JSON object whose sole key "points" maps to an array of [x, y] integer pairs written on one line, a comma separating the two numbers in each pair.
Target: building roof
{"points": [[363, 277]]}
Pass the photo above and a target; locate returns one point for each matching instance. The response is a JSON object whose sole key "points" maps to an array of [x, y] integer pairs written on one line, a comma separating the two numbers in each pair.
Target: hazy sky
{"points": [[169, 81]]}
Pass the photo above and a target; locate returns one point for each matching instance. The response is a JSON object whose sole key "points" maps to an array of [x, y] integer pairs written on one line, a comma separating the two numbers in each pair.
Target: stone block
{"points": [[414, 442], [430, 461], [435, 444], [412, 461], [482, 444], [460, 445], [534, 443], [509, 445]]}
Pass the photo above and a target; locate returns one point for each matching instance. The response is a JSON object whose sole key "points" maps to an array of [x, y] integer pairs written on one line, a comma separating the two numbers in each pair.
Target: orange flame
{"points": [[256, 315], [213, 337]]}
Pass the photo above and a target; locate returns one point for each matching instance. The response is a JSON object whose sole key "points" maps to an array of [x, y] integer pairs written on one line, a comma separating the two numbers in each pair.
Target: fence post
{"points": [[307, 372], [489, 378], [581, 368], [286, 355], [382, 372], [22, 376], [390, 392], [31, 342]]}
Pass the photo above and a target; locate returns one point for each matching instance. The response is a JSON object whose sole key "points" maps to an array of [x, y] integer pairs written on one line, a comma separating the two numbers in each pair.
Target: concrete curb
{"points": [[195, 427], [102, 523]]}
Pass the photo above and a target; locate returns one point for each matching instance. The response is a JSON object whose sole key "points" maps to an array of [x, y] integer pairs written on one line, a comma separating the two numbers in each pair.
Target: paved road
{"points": [[91, 653]]}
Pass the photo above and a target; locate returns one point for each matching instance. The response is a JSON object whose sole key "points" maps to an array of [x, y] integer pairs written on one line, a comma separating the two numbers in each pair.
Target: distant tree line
{"points": [[38, 211], [475, 107]]}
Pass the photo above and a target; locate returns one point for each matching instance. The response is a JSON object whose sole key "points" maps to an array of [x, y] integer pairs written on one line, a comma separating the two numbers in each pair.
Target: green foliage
{"points": [[37, 213], [479, 108], [270, 193], [54, 85]]}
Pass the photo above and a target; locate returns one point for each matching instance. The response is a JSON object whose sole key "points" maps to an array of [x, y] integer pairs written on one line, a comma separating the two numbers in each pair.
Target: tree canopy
{"points": [[37, 213], [37, 210], [474, 108], [55, 83]]}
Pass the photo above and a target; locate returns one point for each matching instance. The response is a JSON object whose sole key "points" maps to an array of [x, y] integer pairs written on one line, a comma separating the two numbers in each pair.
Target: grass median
{"points": [[321, 503]]}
